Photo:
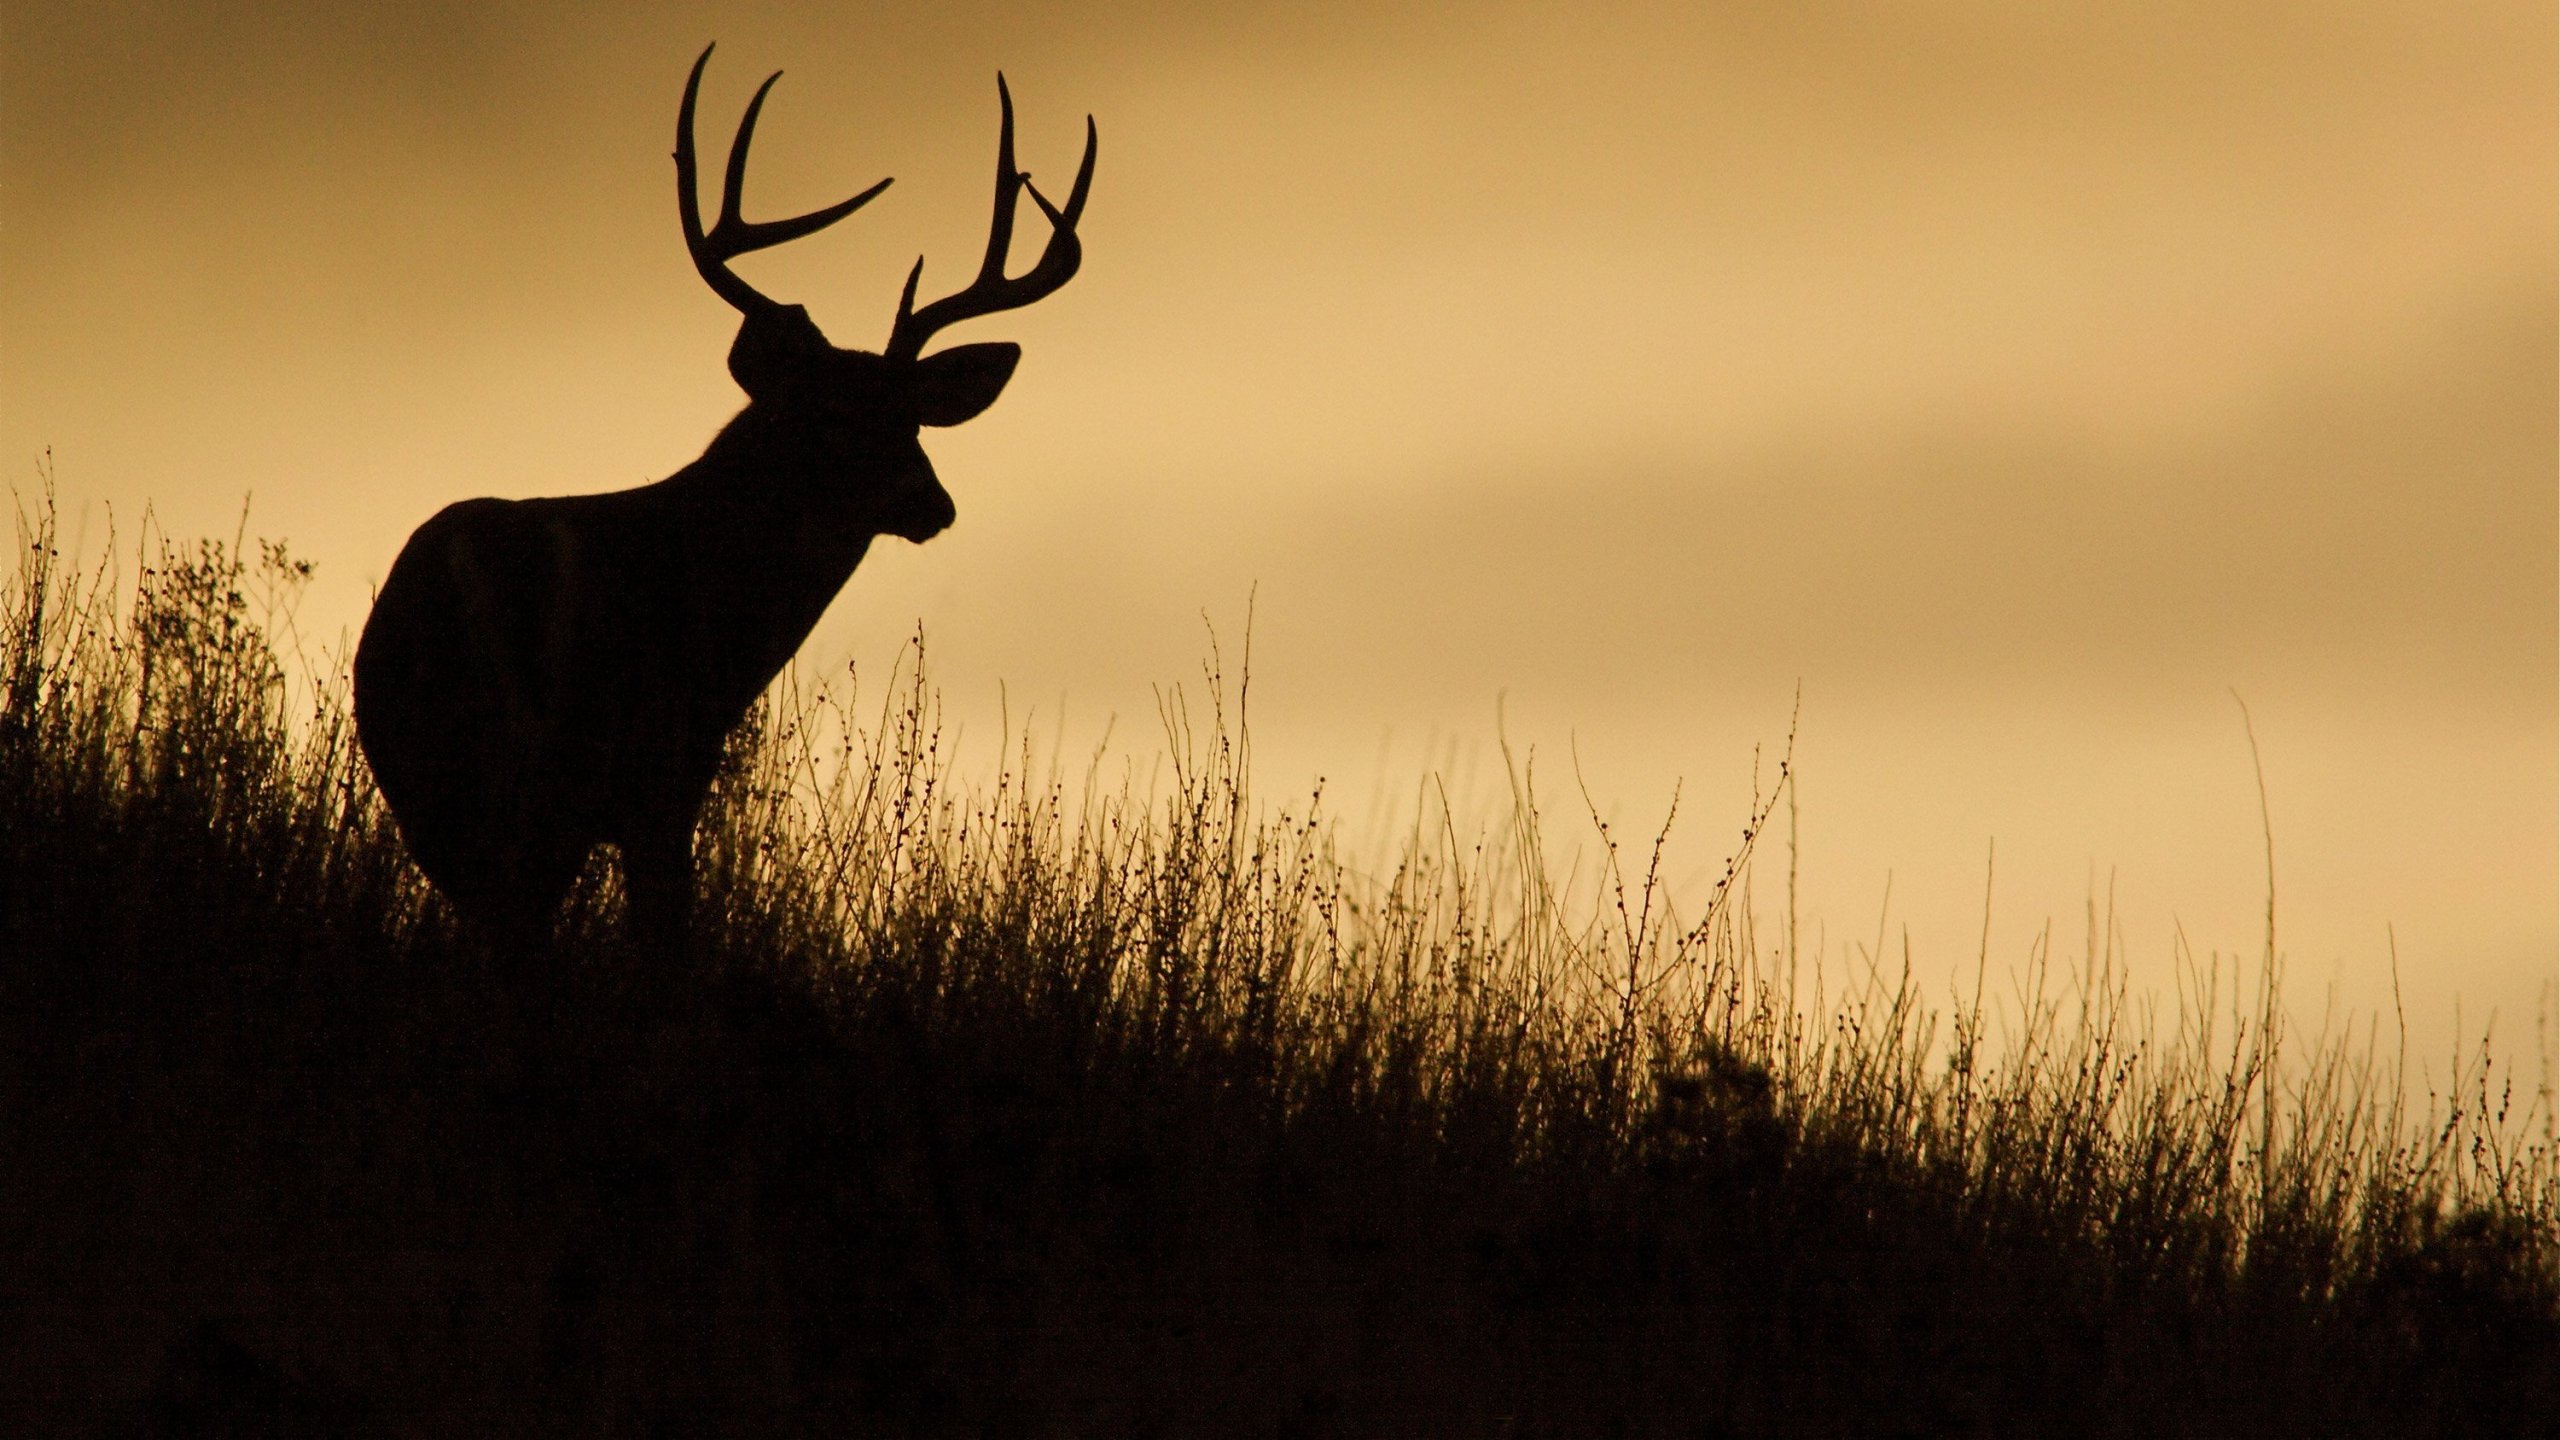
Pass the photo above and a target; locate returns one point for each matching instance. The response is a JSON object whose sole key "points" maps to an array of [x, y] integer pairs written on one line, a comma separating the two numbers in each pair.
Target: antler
{"points": [[731, 236], [991, 291]]}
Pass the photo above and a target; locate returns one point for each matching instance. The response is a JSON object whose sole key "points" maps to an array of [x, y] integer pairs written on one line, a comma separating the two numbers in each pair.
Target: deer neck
{"points": [[783, 531], [765, 479]]}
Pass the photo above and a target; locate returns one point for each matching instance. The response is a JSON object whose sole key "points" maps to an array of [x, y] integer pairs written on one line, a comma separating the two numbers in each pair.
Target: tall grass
{"points": [[1115, 1102]]}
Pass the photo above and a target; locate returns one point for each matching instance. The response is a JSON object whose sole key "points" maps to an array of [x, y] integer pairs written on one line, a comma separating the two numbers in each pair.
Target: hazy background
{"points": [[2020, 380]]}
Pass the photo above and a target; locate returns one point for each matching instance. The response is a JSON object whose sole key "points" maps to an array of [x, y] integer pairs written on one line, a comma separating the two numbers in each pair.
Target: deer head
{"points": [[852, 406]]}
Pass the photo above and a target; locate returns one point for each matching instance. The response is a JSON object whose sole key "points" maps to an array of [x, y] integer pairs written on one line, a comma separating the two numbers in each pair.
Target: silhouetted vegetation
{"points": [[1058, 1106]]}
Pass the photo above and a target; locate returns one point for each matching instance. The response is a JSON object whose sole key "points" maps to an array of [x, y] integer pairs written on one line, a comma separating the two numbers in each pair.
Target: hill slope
{"points": [[1055, 1110]]}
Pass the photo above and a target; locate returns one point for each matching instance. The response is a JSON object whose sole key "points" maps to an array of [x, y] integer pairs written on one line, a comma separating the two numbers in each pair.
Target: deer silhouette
{"points": [[539, 677]]}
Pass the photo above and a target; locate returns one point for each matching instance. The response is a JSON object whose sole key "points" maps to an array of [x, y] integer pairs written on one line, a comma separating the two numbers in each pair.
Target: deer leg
{"points": [[511, 899], [657, 878]]}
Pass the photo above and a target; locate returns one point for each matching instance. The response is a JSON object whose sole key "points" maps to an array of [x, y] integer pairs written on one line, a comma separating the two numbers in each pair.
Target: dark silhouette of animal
{"points": [[541, 676]]}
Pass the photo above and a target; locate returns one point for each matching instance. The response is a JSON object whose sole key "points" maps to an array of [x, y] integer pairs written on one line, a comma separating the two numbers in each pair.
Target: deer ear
{"points": [[776, 344], [960, 383]]}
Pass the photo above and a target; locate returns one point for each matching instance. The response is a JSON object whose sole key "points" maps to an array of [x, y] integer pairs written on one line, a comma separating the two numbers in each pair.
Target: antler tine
{"points": [[688, 200], [1008, 192], [732, 235], [1075, 197], [991, 290], [733, 181]]}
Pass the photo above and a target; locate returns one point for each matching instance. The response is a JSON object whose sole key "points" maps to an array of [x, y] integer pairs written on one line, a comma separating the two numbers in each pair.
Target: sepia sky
{"points": [[2021, 382]]}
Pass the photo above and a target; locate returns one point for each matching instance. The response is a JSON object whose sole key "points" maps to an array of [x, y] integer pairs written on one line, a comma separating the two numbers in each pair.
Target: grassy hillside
{"points": [[1065, 1107]]}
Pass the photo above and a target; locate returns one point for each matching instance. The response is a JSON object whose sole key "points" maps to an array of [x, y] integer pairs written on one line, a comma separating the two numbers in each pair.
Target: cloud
{"points": [[2343, 526]]}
